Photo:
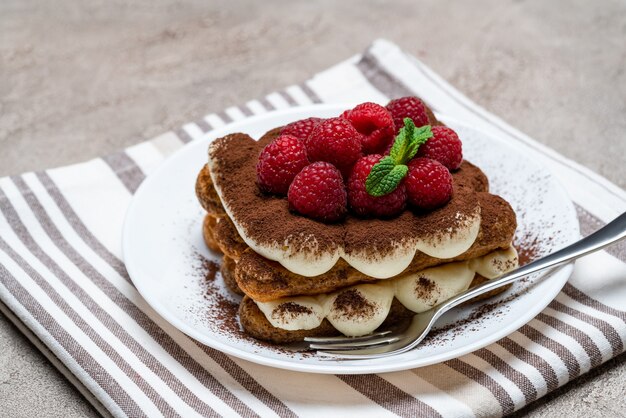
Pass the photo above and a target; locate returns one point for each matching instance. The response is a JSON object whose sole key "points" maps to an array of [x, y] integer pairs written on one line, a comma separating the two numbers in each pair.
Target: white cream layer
{"points": [[301, 254], [411, 290]]}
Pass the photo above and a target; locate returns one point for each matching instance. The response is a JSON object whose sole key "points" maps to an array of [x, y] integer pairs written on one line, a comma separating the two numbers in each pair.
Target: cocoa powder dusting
{"points": [[235, 158], [528, 248], [351, 304], [290, 310], [211, 268], [220, 310], [270, 222], [425, 288], [471, 323], [204, 267], [223, 311]]}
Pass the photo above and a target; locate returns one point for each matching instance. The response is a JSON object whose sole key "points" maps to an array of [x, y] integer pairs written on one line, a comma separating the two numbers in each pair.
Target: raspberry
{"points": [[445, 147], [408, 107], [428, 184], [335, 141], [301, 129], [319, 193], [364, 204], [279, 162], [376, 125]]}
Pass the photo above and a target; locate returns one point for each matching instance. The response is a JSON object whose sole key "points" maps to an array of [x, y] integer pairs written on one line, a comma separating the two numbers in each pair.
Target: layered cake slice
{"points": [[350, 224]]}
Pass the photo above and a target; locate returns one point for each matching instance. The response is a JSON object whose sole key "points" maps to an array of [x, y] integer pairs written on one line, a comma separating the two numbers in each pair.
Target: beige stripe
{"points": [[126, 170], [568, 358], [203, 125], [290, 100], [589, 224], [182, 134], [532, 359], [247, 381], [515, 376], [245, 110], [310, 93], [611, 334], [582, 338], [576, 294], [389, 396], [381, 79], [478, 398], [266, 103], [224, 116], [503, 397]]}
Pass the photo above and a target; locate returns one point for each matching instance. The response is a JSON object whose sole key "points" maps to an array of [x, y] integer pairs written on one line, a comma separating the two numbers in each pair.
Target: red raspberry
{"points": [[445, 147], [375, 123], [428, 184], [364, 204], [408, 107], [335, 141], [279, 162], [301, 129], [319, 193]]}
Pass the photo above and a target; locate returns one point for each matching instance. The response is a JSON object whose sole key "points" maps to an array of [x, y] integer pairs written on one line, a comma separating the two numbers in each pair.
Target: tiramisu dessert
{"points": [[350, 224]]}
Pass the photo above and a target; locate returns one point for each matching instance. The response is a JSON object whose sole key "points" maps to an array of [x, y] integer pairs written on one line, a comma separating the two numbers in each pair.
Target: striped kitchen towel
{"points": [[63, 282]]}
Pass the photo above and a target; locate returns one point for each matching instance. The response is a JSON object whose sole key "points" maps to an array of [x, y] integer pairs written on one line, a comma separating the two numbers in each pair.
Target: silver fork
{"points": [[388, 343]]}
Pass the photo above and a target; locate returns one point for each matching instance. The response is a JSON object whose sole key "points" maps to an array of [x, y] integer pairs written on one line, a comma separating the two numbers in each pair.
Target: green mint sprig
{"points": [[387, 174]]}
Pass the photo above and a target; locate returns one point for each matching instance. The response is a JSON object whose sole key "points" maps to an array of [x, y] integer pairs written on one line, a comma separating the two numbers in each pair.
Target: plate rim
{"points": [[562, 275]]}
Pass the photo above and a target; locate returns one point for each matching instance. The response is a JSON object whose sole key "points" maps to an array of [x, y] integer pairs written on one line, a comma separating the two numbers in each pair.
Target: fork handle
{"points": [[607, 235]]}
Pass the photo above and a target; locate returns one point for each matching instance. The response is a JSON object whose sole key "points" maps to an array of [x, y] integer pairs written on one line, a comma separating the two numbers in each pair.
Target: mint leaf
{"points": [[385, 177], [387, 174], [419, 138], [402, 141], [408, 141]]}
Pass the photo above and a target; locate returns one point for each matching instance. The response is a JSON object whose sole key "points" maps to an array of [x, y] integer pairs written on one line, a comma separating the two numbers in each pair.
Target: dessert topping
{"points": [[388, 173], [335, 141], [360, 309], [279, 162], [291, 310], [301, 129], [428, 184], [408, 107], [375, 183], [300, 312], [445, 147], [375, 123], [352, 304], [364, 204], [318, 192]]}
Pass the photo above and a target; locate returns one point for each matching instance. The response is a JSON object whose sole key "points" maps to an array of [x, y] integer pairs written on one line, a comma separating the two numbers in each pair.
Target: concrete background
{"points": [[81, 80]]}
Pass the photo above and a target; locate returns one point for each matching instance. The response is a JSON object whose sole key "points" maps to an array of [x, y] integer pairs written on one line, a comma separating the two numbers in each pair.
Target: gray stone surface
{"points": [[78, 80]]}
